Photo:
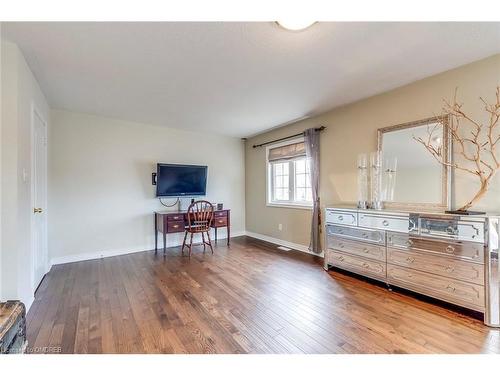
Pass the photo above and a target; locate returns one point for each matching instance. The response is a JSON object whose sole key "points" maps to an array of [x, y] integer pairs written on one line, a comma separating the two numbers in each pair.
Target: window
{"points": [[281, 179], [303, 192], [289, 179]]}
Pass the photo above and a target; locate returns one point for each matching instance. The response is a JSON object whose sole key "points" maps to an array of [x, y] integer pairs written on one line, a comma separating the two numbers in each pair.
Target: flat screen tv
{"points": [[175, 180]]}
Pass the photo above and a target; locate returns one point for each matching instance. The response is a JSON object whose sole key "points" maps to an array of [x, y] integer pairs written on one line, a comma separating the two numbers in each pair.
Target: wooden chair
{"points": [[200, 215]]}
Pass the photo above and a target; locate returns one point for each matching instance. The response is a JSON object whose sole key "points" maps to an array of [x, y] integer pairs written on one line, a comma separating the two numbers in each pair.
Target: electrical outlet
{"points": [[280, 227]]}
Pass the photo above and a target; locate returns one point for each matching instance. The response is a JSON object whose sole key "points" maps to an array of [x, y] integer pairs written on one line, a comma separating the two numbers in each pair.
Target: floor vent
{"points": [[284, 248]]}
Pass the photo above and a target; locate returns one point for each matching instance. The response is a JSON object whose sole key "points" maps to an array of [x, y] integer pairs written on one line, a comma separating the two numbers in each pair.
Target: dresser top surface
{"points": [[403, 212]]}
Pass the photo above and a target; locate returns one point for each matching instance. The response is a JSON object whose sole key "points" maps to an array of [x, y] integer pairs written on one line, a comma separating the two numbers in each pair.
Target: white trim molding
{"points": [[149, 247], [97, 255], [115, 252], [277, 241], [290, 205]]}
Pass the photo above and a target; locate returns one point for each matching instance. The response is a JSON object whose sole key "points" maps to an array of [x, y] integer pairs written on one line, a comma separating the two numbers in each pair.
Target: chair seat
{"points": [[197, 228]]}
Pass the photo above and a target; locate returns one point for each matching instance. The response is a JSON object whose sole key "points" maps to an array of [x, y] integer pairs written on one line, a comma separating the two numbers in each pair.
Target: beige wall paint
{"points": [[100, 195], [20, 91], [352, 129]]}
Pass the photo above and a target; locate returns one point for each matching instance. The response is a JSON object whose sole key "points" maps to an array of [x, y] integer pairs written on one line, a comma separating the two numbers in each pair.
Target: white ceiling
{"points": [[237, 79]]}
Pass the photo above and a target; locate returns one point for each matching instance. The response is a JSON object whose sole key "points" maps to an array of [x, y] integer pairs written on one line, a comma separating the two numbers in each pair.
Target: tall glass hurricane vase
{"points": [[376, 180], [389, 184], [362, 181]]}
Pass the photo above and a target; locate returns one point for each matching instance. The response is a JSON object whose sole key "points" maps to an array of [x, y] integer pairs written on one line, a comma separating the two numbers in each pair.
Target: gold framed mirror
{"points": [[421, 181]]}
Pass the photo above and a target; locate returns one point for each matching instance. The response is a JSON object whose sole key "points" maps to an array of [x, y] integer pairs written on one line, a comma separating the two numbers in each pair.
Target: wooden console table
{"points": [[176, 221]]}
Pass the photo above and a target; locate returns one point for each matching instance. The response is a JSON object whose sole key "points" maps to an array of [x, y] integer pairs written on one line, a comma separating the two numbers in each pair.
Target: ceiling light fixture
{"points": [[295, 25]]}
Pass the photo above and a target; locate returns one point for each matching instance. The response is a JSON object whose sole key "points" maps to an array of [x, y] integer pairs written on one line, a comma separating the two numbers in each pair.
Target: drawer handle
{"points": [[449, 287], [450, 230], [176, 217], [176, 226], [409, 243], [410, 259], [385, 223], [221, 221], [366, 265], [341, 258], [366, 250], [450, 269], [450, 249], [341, 218], [364, 235], [341, 245]]}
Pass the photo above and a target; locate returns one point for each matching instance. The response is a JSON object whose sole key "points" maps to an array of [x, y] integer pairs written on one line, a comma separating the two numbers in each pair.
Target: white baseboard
{"points": [[28, 303], [284, 243], [97, 255], [115, 252]]}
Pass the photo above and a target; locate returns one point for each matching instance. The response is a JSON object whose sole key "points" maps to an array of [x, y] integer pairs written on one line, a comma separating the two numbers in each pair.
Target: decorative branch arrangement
{"points": [[477, 146]]}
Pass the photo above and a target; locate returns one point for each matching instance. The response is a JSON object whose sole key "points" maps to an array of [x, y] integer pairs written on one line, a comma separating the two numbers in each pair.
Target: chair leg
{"points": [[184, 242], [210, 242], [190, 244], [203, 240]]}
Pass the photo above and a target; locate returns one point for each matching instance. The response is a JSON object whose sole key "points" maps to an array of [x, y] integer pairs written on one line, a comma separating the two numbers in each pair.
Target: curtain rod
{"points": [[321, 128]]}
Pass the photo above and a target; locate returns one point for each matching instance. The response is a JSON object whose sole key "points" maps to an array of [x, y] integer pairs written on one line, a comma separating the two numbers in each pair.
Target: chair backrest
{"points": [[200, 215]]}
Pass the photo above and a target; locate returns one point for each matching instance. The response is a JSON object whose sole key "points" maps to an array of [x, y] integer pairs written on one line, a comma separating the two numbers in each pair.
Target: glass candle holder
{"points": [[362, 181], [389, 181], [376, 180]]}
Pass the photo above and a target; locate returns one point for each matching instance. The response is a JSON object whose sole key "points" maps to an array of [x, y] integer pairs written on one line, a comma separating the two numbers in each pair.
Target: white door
{"points": [[39, 191]]}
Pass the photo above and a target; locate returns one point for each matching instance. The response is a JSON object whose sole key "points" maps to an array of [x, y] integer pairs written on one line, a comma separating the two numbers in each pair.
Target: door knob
{"points": [[37, 210]]}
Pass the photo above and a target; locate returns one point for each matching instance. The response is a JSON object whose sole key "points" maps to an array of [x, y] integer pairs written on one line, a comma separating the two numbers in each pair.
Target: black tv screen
{"points": [[175, 180]]}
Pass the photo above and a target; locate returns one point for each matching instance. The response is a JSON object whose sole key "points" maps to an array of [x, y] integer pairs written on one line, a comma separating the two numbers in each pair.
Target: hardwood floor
{"points": [[250, 298]]}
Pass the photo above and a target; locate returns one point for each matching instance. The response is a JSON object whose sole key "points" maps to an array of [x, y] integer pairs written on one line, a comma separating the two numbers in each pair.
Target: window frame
{"points": [[291, 184]]}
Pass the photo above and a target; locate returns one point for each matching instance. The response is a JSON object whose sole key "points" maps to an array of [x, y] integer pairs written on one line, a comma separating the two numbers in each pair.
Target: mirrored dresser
{"points": [[448, 257]]}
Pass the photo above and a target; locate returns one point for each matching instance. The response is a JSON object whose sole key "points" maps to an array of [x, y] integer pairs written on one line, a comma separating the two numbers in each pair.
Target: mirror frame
{"points": [[446, 186]]}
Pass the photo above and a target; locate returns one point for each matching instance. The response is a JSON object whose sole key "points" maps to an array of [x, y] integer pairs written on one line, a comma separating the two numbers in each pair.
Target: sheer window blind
{"points": [[288, 152]]}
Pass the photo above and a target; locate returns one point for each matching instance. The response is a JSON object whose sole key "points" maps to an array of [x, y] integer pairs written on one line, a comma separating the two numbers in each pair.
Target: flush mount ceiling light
{"points": [[295, 25]]}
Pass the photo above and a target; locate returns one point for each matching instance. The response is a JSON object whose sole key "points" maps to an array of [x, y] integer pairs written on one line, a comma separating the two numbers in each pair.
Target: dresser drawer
{"points": [[456, 269], [219, 222], [220, 213], [452, 228], [354, 233], [356, 264], [363, 249], [469, 251], [392, 223], [176, 217], [341, 217], [454, 291], [175, 226]]}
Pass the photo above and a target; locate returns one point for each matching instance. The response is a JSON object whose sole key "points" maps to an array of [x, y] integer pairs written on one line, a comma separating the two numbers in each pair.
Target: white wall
{"points": [[1, 148], [101, 200], [20, 91], [9, 169]]}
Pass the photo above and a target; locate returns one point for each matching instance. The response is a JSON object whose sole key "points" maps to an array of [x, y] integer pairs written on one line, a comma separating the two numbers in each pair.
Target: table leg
{"points": [[228, 227], [215, 234], [164, 241], [156, 233]]}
